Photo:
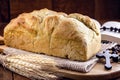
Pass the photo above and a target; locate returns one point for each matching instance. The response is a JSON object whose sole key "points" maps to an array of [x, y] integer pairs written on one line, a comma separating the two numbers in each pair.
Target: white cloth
{"points": [[65, 63]]}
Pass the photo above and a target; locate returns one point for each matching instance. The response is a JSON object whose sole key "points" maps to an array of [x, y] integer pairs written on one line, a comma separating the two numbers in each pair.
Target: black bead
{"points": [[113, 49], [104, 28], [111, 28], [115, 52], [105, 41], [117, 47], [115, 29], [119, 30], [115, 59]]}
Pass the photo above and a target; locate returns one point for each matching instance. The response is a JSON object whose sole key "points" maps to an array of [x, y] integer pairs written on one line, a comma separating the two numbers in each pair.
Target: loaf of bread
{"points": [[73, 36]]}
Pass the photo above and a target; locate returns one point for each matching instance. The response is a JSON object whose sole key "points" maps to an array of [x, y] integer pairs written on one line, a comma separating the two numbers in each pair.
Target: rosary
{"points": [[111, 53], [111, 29]]}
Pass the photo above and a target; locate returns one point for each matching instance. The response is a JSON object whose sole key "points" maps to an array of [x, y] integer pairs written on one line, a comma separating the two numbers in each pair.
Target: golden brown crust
{"points": [[53, 33], [87, 21]]}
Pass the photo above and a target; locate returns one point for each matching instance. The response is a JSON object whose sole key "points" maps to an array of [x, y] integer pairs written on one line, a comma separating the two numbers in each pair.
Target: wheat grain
{"points": [[30, 65]]}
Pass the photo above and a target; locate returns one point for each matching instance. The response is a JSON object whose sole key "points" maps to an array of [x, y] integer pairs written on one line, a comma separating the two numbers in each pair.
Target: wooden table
{"points": [[6, 74]]}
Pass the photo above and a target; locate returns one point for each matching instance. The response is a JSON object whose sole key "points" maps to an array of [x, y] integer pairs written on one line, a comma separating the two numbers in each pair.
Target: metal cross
{"points": [[107, 55]]}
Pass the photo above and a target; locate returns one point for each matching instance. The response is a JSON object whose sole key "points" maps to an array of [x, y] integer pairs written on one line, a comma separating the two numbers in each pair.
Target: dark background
{"points": [[101, 10]]}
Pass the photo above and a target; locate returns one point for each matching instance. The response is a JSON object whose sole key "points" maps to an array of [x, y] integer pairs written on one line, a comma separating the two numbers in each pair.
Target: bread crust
{"points": [[73, 36]]}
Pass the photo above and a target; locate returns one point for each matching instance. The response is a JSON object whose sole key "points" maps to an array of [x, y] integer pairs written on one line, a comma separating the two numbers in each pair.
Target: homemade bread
{"points": [[74, 36]]}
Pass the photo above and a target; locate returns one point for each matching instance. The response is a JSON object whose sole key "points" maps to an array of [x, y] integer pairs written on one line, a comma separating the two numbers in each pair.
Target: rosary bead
{"points": [[105, 41], [114, 52], [119, 30], [118, 47], [111, 28], [115, 29], [104, 28], [113, 49]]}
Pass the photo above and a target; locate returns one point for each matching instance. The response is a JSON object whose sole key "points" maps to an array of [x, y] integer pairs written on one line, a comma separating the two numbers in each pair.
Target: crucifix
{"points": [[107, 55]]}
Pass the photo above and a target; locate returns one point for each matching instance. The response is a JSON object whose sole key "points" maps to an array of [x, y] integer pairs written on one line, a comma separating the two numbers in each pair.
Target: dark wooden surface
{"points": [[2, 25], [107, 10], [19, 6], [85, 7], [102, 10], [6, 74], [4, 11]]}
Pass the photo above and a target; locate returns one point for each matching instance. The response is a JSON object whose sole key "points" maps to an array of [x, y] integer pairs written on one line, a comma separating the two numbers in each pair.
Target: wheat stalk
{"points": [[30, 65]]}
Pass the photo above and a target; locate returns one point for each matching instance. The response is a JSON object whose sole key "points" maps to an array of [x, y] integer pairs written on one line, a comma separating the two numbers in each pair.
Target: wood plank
{"points": [[4, 11], [107, 9], [1, 40], [5, 74], [85, 7], [98, 9], [2, 25], [19, 77], [20, 6]]}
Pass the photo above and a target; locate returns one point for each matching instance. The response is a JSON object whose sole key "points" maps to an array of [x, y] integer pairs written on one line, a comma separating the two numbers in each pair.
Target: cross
{"points": [[107, 55]]}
